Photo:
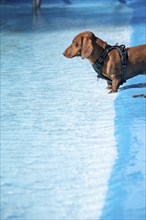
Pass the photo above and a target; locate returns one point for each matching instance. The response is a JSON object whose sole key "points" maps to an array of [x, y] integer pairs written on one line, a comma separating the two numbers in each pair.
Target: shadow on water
{"points": [[138, 85], [125, 199]]}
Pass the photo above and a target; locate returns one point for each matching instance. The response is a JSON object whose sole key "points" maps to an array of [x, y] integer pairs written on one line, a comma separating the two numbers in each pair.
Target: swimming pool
{"points": [[69, 149]]}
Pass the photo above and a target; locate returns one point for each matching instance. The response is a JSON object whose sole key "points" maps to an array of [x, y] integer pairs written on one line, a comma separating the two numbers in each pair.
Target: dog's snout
{"points": [[65, 53]]}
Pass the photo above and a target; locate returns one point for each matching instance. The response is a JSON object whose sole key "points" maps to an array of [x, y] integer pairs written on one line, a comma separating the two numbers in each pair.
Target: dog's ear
{"points": [[87, 47]]}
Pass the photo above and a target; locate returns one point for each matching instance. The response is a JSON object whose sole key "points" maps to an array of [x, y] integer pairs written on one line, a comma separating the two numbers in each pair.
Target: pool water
{"points": [[69, 150]]}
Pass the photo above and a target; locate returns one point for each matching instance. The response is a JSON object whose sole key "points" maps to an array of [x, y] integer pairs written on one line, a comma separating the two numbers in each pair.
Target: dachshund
{"points": [[115, 64]]}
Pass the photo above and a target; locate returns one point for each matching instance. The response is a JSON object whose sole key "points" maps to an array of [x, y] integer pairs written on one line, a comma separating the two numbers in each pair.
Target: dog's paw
{"points": [[108, 87], [112, 91]]}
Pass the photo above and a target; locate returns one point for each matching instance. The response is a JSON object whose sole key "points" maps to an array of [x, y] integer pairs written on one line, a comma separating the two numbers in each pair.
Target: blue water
{"points": [[69, 150], [126, 197]]}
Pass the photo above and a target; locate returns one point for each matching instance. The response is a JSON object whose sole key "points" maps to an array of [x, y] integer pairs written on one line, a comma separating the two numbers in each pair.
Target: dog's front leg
{"points": [[115, 84], [109, 86]]}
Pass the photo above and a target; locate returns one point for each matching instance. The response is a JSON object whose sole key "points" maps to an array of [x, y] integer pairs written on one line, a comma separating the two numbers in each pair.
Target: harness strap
{"points": [[97, 66]]}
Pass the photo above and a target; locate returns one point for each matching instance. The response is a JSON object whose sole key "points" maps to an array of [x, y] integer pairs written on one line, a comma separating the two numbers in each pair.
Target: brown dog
{"points": [[115, 64]]}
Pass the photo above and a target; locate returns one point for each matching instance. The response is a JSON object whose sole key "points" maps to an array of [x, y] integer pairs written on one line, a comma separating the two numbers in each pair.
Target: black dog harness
{"points": [[97, 66]]}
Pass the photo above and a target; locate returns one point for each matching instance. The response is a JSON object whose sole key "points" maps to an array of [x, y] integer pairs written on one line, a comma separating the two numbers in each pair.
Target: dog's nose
{"points": [[64, 53]]}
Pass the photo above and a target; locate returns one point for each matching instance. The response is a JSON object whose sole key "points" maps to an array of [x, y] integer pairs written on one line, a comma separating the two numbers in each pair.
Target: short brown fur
{"points": [[87, 45]]}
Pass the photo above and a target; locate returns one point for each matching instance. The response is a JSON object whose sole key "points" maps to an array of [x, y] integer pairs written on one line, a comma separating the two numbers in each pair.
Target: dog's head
{"points": [[82, 45]]}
